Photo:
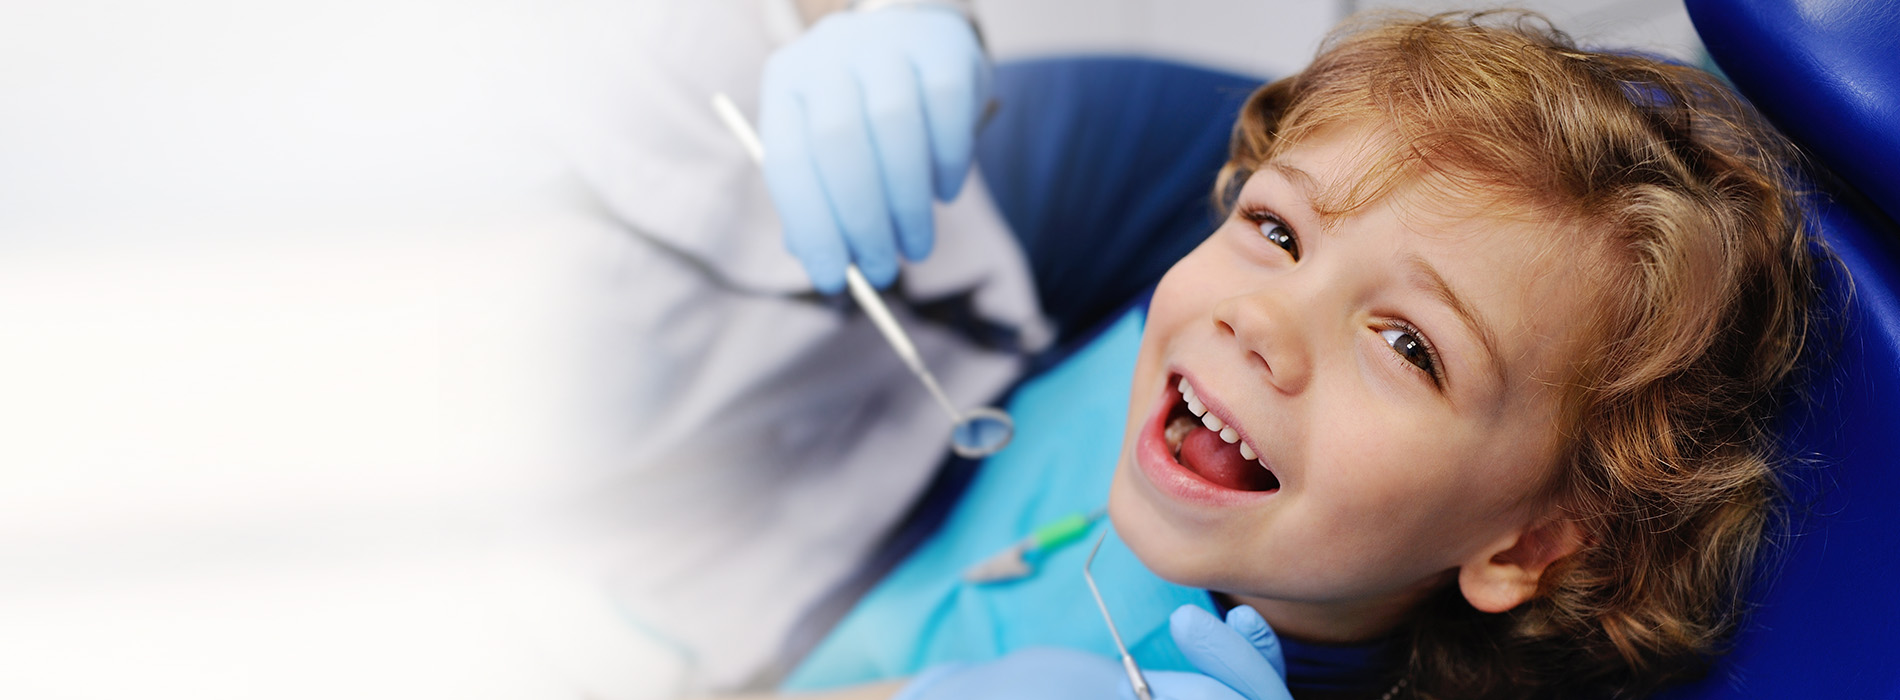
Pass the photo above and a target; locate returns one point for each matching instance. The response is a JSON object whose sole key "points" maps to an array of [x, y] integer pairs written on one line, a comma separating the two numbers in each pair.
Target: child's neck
{"points": [[1338, 622]]}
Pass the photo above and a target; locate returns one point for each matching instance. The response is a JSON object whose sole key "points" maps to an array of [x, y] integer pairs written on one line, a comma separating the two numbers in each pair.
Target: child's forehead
{"points": [[1344, 167]]}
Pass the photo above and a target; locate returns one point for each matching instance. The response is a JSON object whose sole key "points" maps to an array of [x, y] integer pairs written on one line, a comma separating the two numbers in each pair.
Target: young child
{"points": [[1469, 397]]}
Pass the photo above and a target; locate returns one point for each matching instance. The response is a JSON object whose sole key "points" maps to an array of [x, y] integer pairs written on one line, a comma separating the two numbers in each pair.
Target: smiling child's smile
{"points": [[1214, 448], [1184, 457]]}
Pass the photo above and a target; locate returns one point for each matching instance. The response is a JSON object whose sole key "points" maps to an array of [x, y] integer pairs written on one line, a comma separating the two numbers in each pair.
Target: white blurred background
{"points": [[290, 313]]}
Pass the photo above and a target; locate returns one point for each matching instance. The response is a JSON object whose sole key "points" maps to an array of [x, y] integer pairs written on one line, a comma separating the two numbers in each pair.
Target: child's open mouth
{"points": [[1213, 450]]}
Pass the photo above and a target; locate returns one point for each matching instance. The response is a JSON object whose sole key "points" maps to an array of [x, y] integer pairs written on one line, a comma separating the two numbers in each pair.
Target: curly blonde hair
{"points": [[1670, 463]]}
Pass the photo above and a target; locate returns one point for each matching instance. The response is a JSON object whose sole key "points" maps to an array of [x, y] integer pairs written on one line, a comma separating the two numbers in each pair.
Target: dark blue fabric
{"points": [[1350, 668], [1827, 625], [1333, 668], [1826, 71], [1103, 167], [1827, 622]]}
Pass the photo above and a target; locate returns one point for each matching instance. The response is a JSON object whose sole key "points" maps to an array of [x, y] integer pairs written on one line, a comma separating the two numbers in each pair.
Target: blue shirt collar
{"points": [[1333, 668]]}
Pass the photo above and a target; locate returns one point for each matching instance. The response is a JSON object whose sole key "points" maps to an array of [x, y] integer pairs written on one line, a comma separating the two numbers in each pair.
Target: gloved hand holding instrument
{"points": [[864, 118], [976, 433], [861, 116]]}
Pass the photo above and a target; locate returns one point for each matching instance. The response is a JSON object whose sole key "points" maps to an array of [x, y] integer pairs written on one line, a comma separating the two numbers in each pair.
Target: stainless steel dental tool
{"points": [[978, 433], [1135, 678]]}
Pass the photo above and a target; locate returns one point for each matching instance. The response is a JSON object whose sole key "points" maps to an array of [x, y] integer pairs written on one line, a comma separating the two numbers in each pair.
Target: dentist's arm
{"points": [[865, 119]]}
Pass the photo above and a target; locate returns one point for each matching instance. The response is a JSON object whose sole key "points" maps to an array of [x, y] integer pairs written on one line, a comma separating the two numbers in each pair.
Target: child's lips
{"points": [[1193, 413], [1155, 459]]}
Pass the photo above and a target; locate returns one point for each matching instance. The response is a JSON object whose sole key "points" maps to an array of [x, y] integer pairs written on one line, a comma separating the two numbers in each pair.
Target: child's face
{"points": [[1396, 378]]}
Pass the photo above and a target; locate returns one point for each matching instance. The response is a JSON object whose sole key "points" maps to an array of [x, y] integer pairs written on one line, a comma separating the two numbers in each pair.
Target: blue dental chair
{"points": [[1115, 156]]}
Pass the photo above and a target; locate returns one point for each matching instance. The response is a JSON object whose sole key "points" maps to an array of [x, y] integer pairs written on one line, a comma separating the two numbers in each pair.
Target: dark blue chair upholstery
{"points": [[1827, 625], [1103, 168], [1827, 72]]}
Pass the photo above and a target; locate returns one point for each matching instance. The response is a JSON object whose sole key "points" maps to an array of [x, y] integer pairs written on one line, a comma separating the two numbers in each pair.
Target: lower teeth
{"points": [[1177, 432]]}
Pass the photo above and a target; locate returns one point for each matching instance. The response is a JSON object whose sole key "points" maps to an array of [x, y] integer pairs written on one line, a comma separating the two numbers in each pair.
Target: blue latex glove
{"points": [[1239, 660], [863, 119]]}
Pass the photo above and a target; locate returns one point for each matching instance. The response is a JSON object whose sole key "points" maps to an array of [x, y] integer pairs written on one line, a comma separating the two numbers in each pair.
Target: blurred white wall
{"points": [[1245, 37], [287, 309], [1655, 26]]}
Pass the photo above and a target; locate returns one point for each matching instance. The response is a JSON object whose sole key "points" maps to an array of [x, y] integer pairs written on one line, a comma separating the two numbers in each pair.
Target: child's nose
{"points": [[1267, 330]]}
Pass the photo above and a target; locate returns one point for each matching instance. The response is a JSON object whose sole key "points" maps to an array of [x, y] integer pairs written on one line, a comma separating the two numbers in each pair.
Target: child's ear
{"points": [[1505, 574]]}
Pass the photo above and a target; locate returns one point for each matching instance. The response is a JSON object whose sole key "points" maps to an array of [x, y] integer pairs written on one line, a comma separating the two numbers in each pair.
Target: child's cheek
{"points": [[1186, 283], [1165, 309]]}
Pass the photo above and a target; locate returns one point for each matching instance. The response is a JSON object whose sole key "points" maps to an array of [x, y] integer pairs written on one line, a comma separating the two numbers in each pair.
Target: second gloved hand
{"points": [[1240, 658], [864, 119]]}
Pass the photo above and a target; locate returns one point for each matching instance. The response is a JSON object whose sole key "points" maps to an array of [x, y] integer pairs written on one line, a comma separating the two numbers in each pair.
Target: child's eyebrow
{"points": [[1426, 276], [1299, 178]]}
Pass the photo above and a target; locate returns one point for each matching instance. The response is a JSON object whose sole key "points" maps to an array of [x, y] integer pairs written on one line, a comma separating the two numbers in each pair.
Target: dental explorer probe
{"points": [[979, 433], [1135, 678]]}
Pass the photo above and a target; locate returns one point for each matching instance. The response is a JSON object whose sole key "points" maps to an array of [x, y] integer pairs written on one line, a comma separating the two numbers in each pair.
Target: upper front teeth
{"points": [[1213, 422], [1194, 402]]}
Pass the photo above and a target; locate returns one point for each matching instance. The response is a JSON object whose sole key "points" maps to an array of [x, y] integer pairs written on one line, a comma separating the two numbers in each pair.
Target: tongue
{"points": [[1220, 462]]}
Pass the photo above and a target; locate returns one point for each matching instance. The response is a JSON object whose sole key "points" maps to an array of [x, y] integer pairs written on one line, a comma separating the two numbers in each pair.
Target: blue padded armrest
{"points": [[1827, 72]]}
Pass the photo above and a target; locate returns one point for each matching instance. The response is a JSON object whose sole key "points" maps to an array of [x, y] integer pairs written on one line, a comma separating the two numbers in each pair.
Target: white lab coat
{"points": [[755, 444]]}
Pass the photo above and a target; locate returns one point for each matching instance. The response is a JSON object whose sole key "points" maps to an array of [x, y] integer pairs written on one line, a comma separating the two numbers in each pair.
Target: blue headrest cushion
{"points": [[1825, 611], [1103, 167], [1827, 72]]}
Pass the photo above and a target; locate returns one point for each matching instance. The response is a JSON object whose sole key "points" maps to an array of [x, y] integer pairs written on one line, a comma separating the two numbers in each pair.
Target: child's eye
{"points": [[1407, 342], [1275, 231]]}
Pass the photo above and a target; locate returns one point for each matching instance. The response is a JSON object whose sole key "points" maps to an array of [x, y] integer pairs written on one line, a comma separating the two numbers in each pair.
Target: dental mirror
{"points": [[979, 433]]}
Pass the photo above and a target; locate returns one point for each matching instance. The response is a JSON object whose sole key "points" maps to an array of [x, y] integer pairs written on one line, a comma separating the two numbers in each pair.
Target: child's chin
{"points": [[1181, 557]]}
